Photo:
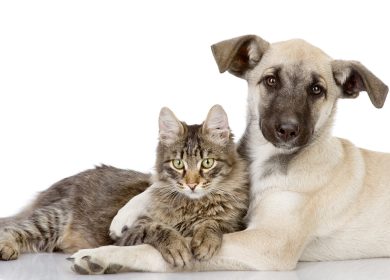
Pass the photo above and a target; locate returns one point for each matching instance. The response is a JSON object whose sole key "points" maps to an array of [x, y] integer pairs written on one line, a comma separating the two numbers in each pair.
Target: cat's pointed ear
{"points": [[170, 128], [216, 125]]}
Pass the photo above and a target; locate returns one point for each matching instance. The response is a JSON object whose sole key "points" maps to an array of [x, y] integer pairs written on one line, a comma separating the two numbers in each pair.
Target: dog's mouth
{"points": [[286, 146]]}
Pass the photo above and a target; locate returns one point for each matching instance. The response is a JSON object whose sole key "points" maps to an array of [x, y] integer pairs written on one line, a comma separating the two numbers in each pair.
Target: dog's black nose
{"points": [[287, 131]]}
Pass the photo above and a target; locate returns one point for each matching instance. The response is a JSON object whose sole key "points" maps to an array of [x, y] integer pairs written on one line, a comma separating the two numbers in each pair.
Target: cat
{"points": [[200, 190], [73, 214]]}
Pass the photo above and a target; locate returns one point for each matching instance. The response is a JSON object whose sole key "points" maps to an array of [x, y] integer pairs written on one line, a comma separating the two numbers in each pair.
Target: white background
{"points": [[82, 82]]}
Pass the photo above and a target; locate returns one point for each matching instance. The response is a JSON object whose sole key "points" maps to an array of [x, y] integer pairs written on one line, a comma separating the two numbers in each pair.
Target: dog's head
{"points": [[294, 86]]}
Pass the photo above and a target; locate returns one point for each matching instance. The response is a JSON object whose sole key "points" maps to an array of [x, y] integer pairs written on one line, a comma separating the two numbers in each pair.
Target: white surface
{"points": [[54, 266]]}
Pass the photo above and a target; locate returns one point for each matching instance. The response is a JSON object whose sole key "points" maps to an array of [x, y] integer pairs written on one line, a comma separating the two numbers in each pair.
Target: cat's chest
{"points": [[172, 214], [186, 216]]}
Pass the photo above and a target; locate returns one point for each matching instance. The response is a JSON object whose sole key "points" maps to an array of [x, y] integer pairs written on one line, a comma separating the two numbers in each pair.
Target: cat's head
{"points": [[195, 159]]}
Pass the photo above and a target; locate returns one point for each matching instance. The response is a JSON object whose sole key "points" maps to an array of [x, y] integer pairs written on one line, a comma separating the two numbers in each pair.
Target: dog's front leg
{"points": [[128, 214], [114, 259], [256, 249], [280, 226]]}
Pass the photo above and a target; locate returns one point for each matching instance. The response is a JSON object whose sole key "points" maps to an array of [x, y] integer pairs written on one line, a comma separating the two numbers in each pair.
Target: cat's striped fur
{"points": [[73, 214]]}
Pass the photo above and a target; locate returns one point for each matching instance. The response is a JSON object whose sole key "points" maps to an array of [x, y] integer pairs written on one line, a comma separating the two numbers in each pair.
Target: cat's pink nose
{"points": [[192, 186]]}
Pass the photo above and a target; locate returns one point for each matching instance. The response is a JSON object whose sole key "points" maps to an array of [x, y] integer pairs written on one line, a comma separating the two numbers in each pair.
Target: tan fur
{"points": [[327, 200], [73, 240]]}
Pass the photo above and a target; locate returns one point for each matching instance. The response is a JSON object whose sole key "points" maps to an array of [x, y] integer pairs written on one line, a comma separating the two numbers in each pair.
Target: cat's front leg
{"points": [[139, 233], [171, 244], [207, 240]]}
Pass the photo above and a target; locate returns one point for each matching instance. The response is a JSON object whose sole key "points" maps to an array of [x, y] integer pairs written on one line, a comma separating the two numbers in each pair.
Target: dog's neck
{"points": [[268, 162], [272, 168]]}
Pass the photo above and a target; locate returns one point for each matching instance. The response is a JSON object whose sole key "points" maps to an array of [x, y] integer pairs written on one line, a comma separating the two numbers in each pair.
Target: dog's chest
{"points": [[268, 169], [276, 194], [275, 208]]}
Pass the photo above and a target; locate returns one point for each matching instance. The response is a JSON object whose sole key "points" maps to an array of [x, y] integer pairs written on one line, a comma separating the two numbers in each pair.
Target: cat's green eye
{"points": [[207, 163], [178, 164]]}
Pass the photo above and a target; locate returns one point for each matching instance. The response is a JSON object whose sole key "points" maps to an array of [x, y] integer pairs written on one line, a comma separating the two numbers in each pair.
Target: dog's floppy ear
{"points": [[239, 54], [353, 77]]}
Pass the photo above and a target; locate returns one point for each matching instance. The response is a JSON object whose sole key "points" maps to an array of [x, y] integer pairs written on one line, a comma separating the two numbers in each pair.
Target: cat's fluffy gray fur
{"points": [[73, 214]]}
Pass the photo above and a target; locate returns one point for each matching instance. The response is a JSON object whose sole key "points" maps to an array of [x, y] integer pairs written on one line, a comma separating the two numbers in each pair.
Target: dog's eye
{"points": [[317, 90], [270, 81]]}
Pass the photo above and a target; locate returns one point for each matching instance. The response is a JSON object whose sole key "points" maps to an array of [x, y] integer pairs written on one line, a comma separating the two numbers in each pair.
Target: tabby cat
{"points": [[200, 190]]}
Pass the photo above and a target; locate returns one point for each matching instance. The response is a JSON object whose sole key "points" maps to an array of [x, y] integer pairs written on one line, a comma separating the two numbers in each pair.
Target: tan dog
{"points": [[313, 196]]}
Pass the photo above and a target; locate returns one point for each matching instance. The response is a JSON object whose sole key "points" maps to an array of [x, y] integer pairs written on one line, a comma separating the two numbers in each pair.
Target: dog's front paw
{"points": [[205, 244], [94, 261], [126, 217], [118, 226]]}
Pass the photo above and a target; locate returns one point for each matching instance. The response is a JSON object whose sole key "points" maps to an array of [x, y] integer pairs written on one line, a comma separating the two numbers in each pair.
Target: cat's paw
{"points": [[177, 253], [8, 251], [205, 244], [132, 236], [93, 261]]}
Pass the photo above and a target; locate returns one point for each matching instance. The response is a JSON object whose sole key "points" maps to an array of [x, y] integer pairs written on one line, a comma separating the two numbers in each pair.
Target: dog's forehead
{"points": [[295, 52]]}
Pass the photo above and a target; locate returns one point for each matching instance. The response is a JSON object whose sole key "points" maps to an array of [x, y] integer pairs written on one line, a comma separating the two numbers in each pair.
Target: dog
{"points": [[314, 197]]}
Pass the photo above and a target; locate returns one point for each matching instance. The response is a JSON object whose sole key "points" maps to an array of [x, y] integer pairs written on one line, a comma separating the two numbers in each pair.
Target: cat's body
{"points": [[200, 190], [74, 213]]}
